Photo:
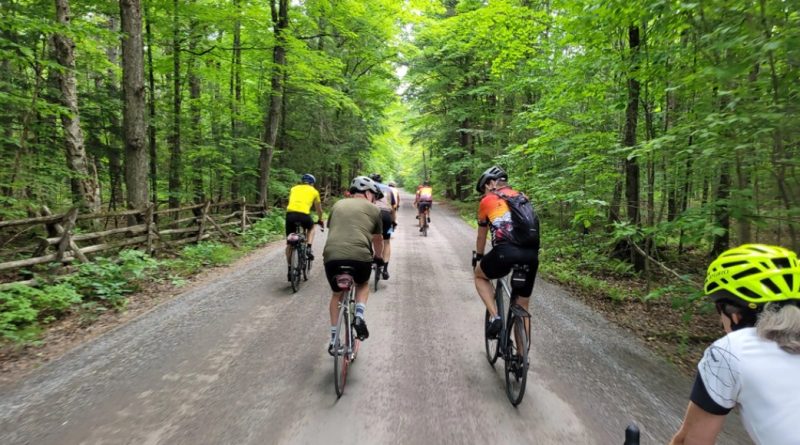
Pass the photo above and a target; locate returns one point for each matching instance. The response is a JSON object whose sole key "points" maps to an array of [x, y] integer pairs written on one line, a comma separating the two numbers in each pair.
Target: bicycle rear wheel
{"points": [[295, 269], [341, 358], [304, 262], [517, 359]]}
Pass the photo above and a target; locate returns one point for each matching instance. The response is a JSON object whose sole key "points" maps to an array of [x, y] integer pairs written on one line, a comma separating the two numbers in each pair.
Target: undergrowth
{"points": [[106, 283]]}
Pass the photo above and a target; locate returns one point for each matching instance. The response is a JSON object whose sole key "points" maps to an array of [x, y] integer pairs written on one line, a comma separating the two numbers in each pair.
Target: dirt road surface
{"points": [[242, 360]]}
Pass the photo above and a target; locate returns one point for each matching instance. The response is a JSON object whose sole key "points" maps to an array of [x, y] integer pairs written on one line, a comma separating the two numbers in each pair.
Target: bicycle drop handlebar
{"points": [[631, 435]]}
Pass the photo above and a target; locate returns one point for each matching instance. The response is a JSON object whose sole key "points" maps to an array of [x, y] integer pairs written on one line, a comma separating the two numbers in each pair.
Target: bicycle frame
{"points": [[349, 347]]}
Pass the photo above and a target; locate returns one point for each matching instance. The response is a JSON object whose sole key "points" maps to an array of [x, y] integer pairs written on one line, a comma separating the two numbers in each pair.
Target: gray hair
{"points": [[781, 324]]}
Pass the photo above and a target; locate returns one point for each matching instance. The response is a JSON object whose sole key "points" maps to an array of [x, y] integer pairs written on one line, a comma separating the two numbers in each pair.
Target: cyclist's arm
{"points": [[480, 245], [318, 206], [377, 245], [699, 427]]}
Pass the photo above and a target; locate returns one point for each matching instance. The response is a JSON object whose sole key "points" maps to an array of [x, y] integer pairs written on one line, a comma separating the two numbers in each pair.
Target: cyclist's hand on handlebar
{"points": [[378, 260], [321, 224]]}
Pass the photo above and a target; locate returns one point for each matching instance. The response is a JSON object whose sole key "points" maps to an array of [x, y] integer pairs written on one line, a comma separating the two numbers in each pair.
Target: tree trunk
{"points": [[136, 159], [236, 95], [195, 116], [151, 125], [280, 20], [629, 140], [175, 161], [722, 215], [85, 185]]}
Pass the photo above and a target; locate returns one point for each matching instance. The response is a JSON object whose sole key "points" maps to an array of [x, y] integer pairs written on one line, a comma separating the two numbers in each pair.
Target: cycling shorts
{"points": [[424, 205], [294, 218], [360, 270], [386, 220], [499, 261]]}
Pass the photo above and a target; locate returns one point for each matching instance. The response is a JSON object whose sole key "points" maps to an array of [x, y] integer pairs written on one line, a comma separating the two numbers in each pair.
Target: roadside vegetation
{"points": [[107, 283]]}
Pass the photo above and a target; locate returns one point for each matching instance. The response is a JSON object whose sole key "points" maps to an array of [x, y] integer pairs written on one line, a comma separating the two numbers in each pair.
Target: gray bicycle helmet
{"points": [[361, 184], [492, 173]]}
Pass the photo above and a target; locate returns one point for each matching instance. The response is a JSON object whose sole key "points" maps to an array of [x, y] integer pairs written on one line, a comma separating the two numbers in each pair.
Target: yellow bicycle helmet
{"points": [[754, 274]]}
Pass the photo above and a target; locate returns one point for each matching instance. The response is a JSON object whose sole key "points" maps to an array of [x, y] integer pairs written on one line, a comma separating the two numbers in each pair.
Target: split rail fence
{"points": [[72, 236]]}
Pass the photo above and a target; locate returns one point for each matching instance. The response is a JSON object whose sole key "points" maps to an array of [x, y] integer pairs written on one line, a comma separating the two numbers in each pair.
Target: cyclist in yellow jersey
{"points": [[302, 198]]}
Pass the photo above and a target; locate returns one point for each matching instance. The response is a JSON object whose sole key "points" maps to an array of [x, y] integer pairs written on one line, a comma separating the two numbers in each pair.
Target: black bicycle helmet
{"points": [[376, 177], [492, 173]]}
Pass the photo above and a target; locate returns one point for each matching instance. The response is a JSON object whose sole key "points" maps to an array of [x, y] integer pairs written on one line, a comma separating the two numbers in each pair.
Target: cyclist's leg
{"points": [[485, 290], [332, 269], [310, 230], [386, 220]]}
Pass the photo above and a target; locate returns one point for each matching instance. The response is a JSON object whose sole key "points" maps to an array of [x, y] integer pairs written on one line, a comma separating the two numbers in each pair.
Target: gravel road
{"points": [[242, 360]]}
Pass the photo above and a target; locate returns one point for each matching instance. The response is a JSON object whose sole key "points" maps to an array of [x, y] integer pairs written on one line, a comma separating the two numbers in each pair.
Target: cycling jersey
{"points": [[387, 201], [301, 198], [351, 224], [425, 194], [746, 370], [494, 212], [395, 196]]}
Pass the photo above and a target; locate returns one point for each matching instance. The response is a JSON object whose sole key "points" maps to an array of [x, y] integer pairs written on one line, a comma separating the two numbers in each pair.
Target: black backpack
{"points": [[523, 219]]}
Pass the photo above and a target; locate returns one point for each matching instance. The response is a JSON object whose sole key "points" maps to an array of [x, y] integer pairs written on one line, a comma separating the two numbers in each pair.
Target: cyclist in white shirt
{"points": [[756, 366], [385, 204]]}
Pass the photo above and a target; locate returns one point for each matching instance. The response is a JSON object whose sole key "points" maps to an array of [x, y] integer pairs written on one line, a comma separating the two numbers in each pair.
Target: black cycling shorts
{"points": [[424, 205], [294, 218], [360, 270], [499, 261], [386, 220]]}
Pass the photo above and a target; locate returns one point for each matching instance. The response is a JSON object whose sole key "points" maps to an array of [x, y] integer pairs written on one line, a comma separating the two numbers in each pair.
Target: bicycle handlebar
{"points": [[631, 435]]}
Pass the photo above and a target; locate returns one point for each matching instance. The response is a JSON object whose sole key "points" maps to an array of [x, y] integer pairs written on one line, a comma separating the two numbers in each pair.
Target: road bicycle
{"points": [[299, 263], [425, 221], [513, 342], [345, 342]]}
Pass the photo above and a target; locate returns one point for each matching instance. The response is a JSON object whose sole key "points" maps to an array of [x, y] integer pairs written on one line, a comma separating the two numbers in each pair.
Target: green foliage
{"points": [[109, 280], [266, 229], [24, 308], [197, 257]]}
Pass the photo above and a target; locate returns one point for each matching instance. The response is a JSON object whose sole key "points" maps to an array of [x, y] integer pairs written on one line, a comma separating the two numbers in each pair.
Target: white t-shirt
{"points": [[746, 370]]}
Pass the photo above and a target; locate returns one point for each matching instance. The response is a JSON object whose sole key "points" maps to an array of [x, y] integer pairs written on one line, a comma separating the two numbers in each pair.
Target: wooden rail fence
{"points": [[72, 236]]}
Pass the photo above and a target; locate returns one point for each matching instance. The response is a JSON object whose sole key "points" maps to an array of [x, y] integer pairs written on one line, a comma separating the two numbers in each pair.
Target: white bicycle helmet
{"points": [[361, 184]]}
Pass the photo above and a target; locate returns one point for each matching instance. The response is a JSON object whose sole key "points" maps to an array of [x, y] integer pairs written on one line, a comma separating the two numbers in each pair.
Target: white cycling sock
{"points": [[360, 308]]}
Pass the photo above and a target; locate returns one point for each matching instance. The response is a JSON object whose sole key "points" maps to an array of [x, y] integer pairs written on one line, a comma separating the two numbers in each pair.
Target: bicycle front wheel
{"points": [[492, 344], [341, 358], [377, 278], [517, 360], [304, 263], [295, 269]]}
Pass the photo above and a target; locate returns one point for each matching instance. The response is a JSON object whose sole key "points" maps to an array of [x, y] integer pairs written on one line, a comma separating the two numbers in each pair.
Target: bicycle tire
{"points": [[340, 358], [377, 278], [295, 268], [425, 230], [516, 363], [304, 262], [492, 344]]}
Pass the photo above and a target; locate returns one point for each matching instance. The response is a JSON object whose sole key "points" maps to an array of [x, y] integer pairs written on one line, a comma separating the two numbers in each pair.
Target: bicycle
{"points": [[299, 262], [513, 351], [425, 221], [345, 343]]}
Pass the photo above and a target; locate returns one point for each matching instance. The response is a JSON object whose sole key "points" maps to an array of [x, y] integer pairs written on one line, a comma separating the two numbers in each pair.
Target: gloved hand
{"points": [[475, 258], [378, 261]]}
